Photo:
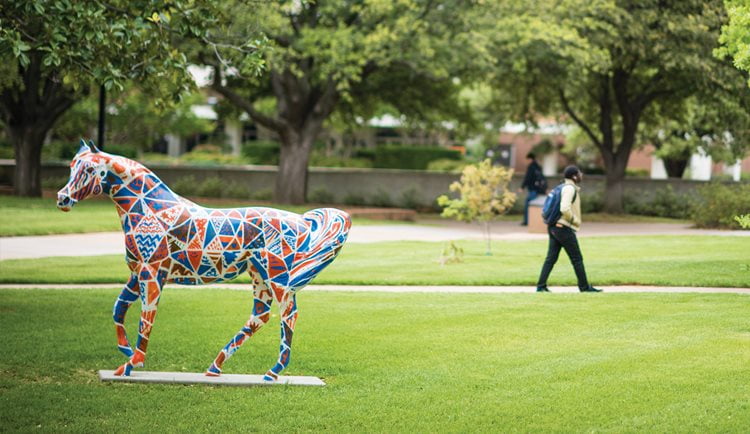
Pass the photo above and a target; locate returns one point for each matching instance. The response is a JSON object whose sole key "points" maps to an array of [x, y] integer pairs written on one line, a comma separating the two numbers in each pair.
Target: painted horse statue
{"points": [[171, 239]]}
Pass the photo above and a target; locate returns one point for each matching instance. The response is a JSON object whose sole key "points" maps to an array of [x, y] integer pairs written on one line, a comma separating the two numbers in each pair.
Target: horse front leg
{"points": [[288, 313], [150, 282], [128, 295]]}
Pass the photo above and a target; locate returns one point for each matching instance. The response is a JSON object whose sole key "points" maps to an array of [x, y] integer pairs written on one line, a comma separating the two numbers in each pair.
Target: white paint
{"points": [[233, 130], [658, 171], [700, 167], [549, 164], [735, 171], [174, 145], [200, 378]]}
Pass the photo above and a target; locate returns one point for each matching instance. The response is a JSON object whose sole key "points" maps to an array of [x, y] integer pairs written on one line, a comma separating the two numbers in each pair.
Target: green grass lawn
{"points": [[392, 362], [24, 216], [645, 260]]}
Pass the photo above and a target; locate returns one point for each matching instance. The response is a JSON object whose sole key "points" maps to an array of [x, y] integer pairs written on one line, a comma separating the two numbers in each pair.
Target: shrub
{"points": [[365, 153], [447, 165], [381, 198], [210, 154], [261, 152], [320, 195], [236, 190], [354, 199], [716, 205], [483, 195], [185, 186], [60, 150], [265, 194], [210, 187], [637, 173], [591, 202], [319, 160], [156, 157], [662, 203], [411, 157], [410, 198], [128, 151], [6, 150]]}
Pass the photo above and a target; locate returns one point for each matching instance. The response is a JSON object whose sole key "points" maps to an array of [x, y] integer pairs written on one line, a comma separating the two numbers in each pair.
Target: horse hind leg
{"points": [[128, 295], [288, 312], [261, 313]]}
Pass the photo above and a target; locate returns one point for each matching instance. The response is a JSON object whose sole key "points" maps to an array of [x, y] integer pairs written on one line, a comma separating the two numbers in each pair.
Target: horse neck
{"points": [[130, 179]]}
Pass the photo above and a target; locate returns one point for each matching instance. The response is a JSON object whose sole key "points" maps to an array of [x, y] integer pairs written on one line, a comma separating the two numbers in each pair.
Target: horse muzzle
{"points": [[65, 202]]}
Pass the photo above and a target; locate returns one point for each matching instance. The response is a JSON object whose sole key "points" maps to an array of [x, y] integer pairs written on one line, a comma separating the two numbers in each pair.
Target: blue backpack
{"points": [[551, 209]]}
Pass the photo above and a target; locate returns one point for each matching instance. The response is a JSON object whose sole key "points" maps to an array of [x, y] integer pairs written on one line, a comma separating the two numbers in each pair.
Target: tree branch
{"points": [[578, 120], [236, 99]]}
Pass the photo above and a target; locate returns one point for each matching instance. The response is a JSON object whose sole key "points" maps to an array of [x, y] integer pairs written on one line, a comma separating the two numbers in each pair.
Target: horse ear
{"points": [[83, 148], [93, 147]]}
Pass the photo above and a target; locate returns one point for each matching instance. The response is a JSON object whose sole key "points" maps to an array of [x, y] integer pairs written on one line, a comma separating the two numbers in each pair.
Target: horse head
{"points": [[86, 173]]}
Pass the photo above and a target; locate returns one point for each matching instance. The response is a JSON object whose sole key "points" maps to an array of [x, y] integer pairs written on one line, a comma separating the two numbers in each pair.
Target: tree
{"points": [[345, 55], [483, 196], [605, 63], [53, 52]]}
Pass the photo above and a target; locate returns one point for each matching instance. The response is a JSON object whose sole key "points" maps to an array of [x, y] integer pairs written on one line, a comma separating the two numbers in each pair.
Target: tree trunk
{"points": [[291, 179], [27, 142], [675, 166], [613, 187]]}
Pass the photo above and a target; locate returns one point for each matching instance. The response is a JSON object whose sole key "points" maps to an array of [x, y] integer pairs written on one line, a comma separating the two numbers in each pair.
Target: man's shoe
{"points": [[591, 289], [545, 289]]}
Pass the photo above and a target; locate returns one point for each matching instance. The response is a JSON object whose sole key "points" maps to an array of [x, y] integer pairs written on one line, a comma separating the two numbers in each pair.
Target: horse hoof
{"points": [[270, 377], [213, 371], [124, 370]]}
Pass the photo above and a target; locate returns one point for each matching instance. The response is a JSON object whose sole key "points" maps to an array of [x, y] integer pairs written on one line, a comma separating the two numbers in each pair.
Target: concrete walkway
{"points": [[404, 288], [112, 243]]}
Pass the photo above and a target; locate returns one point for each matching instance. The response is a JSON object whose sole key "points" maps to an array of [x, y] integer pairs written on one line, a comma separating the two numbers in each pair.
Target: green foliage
{"points": [[381, 198], [591, 202], [716, 204], [483, 193], [447, 165], [735, 36], [354, 199], [210, 155], [663, 202], [213, 187], [451, 254], [409, 198], [260, 152], [743, 220], [318, 159], [411, 157], [321, 195]]}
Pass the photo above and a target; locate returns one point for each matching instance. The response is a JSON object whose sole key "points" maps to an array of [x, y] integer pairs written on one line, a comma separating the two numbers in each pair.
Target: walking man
{"points": [[535, 182], [562, 233]]}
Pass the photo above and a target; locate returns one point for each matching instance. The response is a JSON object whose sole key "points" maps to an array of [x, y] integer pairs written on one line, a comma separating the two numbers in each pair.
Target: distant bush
{"points": [[716, 204], [60, 150], [211, 155], [354, 199], [591, 202], [410, 198], [637, 173], [320, 195], [447, 165], [156, 157], [262, 152], [365, 153], [265, 194], [411, 157], [128, 151], [664, 202], [381, 198], [6, 150], [319, 160], [212, 187]]}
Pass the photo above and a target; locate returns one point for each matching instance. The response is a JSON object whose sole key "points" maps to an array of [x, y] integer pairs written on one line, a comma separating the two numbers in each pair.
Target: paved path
{"points": [[109, 243], [403, 288]]}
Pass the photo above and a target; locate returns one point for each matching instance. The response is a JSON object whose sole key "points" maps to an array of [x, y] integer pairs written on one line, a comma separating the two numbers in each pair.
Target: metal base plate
{"points": [[200, 378]]}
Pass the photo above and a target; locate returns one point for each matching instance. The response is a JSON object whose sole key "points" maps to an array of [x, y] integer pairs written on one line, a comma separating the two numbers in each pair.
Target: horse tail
{"points": [[329, 229]]}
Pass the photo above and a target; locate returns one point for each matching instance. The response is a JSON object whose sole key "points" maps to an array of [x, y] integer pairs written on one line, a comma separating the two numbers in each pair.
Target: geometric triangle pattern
{"points": [[171, 239]]}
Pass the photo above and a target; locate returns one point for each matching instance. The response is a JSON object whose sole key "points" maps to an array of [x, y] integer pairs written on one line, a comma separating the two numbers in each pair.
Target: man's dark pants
{"points": [[529, 197], [563, 238]]}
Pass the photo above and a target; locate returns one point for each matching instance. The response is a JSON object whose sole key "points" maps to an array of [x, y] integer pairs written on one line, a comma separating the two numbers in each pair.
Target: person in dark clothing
{"points": [[534, 182], [562, 234]]}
